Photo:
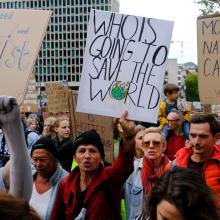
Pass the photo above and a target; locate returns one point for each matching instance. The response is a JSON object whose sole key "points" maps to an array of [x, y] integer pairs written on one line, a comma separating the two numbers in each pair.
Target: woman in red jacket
{"points": [[91, 190]]}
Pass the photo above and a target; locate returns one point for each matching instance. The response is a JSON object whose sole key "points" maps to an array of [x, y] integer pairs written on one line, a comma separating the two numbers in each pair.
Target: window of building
{"points": [[56, 52], [48, 70]]}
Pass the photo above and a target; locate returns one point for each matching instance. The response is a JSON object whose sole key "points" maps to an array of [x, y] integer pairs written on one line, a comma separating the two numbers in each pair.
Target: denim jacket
{"points": [[59, 174], [133, 192]]}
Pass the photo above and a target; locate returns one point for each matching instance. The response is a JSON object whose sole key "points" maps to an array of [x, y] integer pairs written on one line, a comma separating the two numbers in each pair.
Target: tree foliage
{"points": [[209, 6], [192, 92]]}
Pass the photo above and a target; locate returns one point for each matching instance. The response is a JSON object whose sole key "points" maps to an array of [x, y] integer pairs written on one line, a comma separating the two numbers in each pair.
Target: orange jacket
{"points": [[211, 169]]}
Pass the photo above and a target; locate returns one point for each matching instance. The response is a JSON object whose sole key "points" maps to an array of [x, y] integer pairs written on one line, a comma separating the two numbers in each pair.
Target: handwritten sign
{"points": [[209, 58], [124, 65], [30, 100], [21, 35], [81, 122], [57, 96]]}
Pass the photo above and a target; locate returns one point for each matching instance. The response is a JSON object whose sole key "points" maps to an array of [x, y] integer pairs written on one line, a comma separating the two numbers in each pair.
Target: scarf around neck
{"points": [[149, 174]]}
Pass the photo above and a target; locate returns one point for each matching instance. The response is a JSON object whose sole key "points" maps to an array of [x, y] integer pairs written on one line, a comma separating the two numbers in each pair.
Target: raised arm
{"points": [[128, 131], [20, 184]]}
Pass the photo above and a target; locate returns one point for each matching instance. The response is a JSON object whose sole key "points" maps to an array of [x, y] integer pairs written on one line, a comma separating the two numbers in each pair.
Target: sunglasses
{"points": [[155, 144]]}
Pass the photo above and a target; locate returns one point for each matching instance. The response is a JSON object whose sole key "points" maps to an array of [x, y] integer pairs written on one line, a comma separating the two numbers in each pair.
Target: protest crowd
{"points": [[116, 149], [168, 170]]}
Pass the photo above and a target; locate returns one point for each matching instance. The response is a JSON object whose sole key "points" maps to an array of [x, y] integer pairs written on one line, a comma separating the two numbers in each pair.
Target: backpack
{"points": [[27, 132]]}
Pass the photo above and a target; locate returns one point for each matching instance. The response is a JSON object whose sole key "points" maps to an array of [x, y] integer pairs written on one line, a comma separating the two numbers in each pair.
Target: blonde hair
{"points": [[139, 128], [60, 119], [31, 121], [51, 120], [155, 130]]}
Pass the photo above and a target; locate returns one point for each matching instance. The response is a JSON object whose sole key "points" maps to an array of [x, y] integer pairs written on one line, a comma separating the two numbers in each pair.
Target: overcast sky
{"points": [[184, 14]]}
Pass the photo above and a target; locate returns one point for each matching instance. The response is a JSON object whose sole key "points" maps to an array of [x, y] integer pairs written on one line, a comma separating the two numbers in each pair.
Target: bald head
{"points": [[174, 120]]}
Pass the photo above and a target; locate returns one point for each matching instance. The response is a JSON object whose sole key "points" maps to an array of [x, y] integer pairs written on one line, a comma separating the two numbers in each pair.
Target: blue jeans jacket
{"points": [[133, 192]]}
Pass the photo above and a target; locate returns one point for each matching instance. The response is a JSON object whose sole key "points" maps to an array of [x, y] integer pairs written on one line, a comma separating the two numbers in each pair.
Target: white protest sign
{"points": [[21, 35], [124, 65]]}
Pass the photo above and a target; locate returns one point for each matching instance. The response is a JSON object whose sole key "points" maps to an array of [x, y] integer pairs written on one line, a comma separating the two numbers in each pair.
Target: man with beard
{"points": [[203, 154], [47, 176]]}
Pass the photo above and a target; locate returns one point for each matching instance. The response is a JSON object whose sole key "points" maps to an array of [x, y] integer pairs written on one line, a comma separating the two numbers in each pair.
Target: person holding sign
{"points": [[91, 190], [171, 91]]}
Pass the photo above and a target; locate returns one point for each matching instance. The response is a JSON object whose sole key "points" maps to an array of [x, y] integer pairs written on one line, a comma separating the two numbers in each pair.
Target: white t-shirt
{"points": [[40, 201]]}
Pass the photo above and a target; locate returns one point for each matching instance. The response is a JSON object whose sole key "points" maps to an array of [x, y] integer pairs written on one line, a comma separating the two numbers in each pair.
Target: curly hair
{"points": [[186, 190]]}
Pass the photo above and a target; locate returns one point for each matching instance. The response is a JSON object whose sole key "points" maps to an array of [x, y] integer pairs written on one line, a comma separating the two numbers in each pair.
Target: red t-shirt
{"points": [[174, 143]]}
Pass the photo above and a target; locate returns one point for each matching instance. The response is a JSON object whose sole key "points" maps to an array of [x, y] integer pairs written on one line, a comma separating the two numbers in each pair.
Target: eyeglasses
{"points": [[155, 144], [42, 160], [172, 120]]}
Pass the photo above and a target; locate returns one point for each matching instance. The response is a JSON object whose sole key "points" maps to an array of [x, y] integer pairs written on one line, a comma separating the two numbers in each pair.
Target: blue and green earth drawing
{"points": [[119, 90]]}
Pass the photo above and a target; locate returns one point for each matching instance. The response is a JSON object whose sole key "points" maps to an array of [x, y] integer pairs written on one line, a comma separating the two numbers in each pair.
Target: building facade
{"points": [[177, 73], [61, 54]]}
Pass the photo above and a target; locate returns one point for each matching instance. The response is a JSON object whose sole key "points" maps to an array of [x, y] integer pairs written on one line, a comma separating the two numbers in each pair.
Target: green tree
{"points": [[209, 6], [192, 92]]}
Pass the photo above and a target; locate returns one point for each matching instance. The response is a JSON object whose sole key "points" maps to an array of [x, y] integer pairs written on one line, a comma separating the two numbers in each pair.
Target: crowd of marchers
{"points": [[169, 170]]}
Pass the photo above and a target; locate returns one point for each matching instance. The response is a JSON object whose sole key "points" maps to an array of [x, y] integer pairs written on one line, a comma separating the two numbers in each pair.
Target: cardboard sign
{"points": [[124, 65], [30, 100], [196, 106], [57, 96], [208, 58], [184, 105], [21, 35], [207, 108], [81, 122]]}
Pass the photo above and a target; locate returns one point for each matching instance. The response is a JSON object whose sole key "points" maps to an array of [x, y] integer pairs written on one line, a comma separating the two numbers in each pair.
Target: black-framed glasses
{"points": [[172, 120], [155, 144]]}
